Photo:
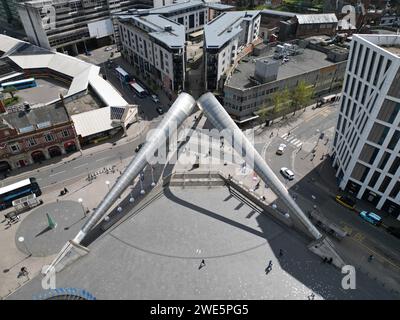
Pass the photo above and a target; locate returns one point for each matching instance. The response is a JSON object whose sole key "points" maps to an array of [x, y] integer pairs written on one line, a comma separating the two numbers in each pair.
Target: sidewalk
{"points": [[133, 132]]}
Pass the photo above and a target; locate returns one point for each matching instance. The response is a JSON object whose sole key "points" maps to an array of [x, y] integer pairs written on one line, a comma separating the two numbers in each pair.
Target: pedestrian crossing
{"points": [[292, 140]]}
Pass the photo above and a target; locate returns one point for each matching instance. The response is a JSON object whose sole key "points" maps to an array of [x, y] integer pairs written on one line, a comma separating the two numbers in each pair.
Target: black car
{"points": [[160, 110], [139, 147], [394, 231]]}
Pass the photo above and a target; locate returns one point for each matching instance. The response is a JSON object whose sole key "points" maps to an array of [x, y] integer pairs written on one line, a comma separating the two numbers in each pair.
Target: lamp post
{"points": [[119, 209], [108, 185], [152, 177], [80, 200], [22, 240]]}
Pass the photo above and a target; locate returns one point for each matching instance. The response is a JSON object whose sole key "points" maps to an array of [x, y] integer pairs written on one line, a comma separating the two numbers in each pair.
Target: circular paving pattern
{"points": [[40, 240]]}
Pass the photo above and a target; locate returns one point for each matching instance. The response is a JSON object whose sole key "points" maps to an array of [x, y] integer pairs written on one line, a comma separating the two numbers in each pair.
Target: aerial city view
{"points": [[200, 150]]}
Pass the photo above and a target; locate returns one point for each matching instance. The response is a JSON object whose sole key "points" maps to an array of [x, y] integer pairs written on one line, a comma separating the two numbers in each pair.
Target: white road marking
{"points": [[294, 141], [283, 137], [52, 175], [82, 165], [103, 159], [299, 144]]}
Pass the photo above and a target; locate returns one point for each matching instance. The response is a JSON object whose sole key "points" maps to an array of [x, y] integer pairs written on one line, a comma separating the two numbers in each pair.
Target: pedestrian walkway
{"points": [[292, 140]]}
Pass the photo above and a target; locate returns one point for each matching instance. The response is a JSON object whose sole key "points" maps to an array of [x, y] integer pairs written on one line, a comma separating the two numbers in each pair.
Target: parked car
{"points": [[346, 201], [108, 49], [160, 110], [287, 173], [155, 98], [394, 231], [371, 217], [281, 149], [140, 145]]}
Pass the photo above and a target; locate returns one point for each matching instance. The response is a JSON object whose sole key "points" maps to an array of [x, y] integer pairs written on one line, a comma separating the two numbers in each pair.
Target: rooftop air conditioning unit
{"points": [[168, 28]]}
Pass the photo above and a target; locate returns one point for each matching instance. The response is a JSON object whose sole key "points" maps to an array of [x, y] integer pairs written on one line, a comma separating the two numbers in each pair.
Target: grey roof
{"points": [[177, 7], [278, 13], [316, 18], [220, 6], [157, 23], [54, 113], [224, 27]]}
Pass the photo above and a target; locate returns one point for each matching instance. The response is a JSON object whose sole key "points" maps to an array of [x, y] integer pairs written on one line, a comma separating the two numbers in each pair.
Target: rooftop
{"points": [[220, 6], [316, 18], [177, 7], [388, 41], [173, 38], [155, 254], [307, 61], [224, 27]]}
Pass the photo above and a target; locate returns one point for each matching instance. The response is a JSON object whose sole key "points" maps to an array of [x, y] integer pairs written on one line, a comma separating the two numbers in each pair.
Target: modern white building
{"points": [[224, 38], [155, 46], [67, 25], [366, 147]]}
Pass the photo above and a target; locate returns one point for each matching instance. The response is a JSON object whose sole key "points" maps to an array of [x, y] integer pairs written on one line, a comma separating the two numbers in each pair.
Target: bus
{"points": [[139, 91], [18, 190], [20, 84], [122, 75]]}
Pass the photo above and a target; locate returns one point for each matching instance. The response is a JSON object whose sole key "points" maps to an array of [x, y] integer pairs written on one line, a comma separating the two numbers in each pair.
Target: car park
{"points": [[371, 217], [287, 173], [281, 149], [346, 201]]}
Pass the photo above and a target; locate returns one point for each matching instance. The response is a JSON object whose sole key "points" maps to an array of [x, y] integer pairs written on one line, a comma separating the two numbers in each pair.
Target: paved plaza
{"points": [[156, 254]]}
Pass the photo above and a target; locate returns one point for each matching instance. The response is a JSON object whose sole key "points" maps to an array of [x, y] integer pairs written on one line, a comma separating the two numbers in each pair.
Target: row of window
{"points": [[32, 141]]}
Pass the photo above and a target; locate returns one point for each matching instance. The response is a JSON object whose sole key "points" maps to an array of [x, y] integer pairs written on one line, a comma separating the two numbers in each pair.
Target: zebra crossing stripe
{"points": [[294, 141], [298, 144], [283, 137], [290, 139]]}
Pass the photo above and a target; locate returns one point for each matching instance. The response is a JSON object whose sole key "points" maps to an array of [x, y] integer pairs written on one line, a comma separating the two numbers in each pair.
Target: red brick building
{"points": [[32, 135]]}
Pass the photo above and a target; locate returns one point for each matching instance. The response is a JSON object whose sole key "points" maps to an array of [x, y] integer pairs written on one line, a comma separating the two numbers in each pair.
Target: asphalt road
{"points": [[310, 193]]}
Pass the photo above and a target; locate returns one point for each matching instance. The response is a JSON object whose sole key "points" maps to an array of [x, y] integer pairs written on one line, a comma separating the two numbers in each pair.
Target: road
{"points": [[311, 190]]}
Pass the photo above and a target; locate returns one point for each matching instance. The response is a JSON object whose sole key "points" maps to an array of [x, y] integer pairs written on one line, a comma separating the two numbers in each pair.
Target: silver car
{"points": [[287, 173]]}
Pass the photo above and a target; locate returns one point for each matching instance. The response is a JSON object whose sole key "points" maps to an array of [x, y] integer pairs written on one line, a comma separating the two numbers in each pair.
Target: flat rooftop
{"points": [[85, 103], [394, 50], [156, 253], [46, 90], [307, 61]]}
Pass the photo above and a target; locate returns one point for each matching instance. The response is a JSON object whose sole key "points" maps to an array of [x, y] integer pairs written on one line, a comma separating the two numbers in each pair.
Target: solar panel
{"points": [[116, 113]]}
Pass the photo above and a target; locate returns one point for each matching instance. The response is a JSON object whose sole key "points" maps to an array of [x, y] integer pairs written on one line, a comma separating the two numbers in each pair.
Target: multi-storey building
{"points": [[34, 135], [224, 38], [366, 147], [155, 46], [67, 25], [9, 13]]}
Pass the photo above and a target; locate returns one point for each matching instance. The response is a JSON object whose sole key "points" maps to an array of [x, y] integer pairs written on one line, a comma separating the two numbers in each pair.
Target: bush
{"points": [[11, 101]]}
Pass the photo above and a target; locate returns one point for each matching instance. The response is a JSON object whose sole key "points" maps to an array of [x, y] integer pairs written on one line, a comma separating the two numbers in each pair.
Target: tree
{"points": [[280, 99], [11, 90], [301, 95]]}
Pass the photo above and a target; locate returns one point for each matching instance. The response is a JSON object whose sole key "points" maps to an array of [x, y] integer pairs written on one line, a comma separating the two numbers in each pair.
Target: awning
{"points": [[246, 119]]}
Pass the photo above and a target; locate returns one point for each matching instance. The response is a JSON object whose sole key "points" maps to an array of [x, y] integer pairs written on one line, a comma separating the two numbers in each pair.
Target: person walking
{"points": [[280, 252], [370, 258]]}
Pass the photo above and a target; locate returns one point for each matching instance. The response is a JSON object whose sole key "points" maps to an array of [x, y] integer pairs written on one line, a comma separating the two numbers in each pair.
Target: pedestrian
{"points": [[330, 260], [311, 296], [325, 260], [288, 134], [280, 252], [202, 264], [370, 258]]}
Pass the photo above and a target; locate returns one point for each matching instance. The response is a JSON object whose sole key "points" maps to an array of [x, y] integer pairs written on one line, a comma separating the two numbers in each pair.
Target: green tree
{"points": [[280, 99], [301, 96], [10, 90]]}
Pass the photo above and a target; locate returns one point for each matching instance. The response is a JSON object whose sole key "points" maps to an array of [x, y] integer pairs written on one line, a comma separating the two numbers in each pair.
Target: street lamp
{"points": [[21, 240], [119, 209], [80, 200], [108, 185]]}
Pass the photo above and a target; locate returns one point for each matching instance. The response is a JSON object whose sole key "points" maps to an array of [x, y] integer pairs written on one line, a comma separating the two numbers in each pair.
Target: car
{"points": [[287, 173], [281, 149], [108, 49], [160, 110], [140, 145], [346, 201], [394, 231], [155, 98], [371, 217]]}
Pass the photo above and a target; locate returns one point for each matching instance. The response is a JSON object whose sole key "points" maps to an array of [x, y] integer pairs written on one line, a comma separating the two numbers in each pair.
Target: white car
{"points": [[108, 49], [155, 98], [281, 148], [287, 173]]}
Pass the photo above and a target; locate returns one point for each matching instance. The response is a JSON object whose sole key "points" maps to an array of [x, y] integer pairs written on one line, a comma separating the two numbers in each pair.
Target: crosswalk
{"points": [[292, 140]]}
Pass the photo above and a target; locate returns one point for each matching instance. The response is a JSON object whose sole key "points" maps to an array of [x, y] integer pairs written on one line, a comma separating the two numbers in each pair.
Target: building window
{"points": [[48, 137], [65, 133], [395, 191], [384, 160], [371, 66], [395, 166], [394, 140], [389, 111], [385, 184], [378, 133], [374, 179], [14, 147], [369, 153], [378, 70], [31, 142], [360, 172]]}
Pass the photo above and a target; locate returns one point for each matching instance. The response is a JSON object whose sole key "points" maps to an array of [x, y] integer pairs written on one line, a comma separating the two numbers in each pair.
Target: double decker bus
{"points": [[18, 190], [20, 84]]}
